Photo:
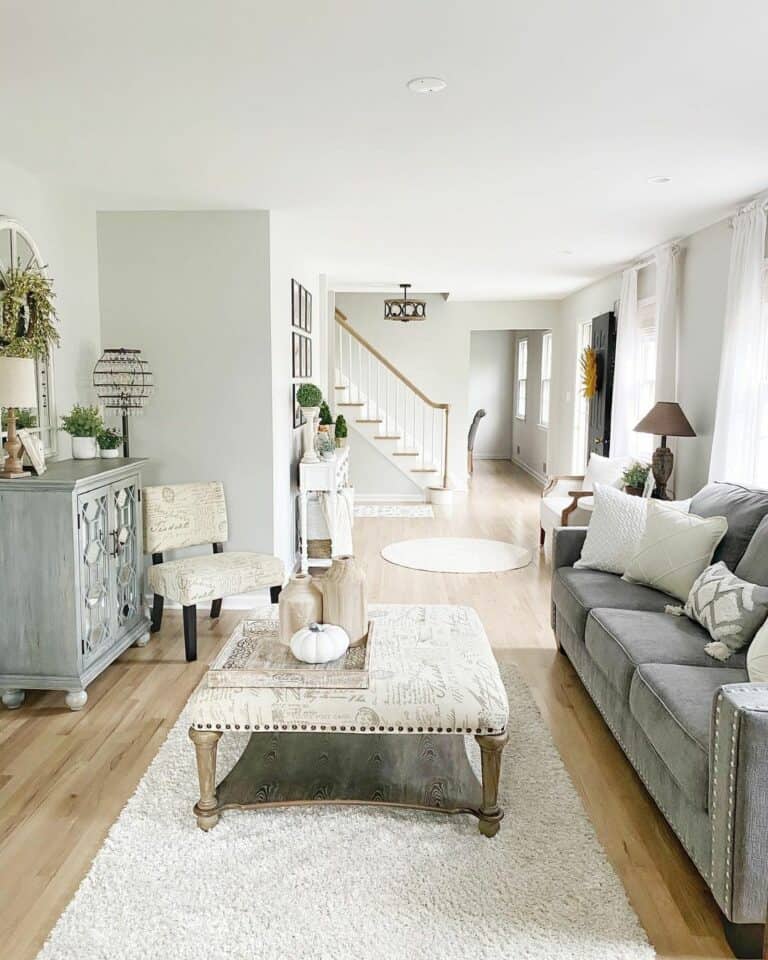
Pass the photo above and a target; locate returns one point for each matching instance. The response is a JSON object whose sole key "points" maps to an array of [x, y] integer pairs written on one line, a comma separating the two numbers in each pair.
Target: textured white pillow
{"points": [[614, 530], [674, 549], [605, 470], [757, 656]]}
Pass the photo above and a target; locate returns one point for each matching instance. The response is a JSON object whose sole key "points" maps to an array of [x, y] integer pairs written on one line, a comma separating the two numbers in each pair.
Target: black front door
{"points": [[604, 345]]}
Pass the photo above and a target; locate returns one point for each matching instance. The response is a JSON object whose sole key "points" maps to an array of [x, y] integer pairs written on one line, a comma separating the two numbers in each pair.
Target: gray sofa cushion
{"points": [[742, 507], [753, 566], [576, 592], [620, 640], [672, 703]]}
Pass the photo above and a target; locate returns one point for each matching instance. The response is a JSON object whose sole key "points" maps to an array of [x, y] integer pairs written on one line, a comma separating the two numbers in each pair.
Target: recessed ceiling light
{"points": [[659, 179], [568, 253], [426, 84]]}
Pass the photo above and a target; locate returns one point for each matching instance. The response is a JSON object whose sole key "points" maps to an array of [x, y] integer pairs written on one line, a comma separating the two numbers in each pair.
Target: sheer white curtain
{"points": [[735, 439], [667, 287], [625, 380]]}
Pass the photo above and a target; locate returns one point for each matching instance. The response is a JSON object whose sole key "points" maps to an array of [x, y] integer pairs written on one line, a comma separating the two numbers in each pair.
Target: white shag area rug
{"points": [[352, 883], [457, 555], [396, 510]]}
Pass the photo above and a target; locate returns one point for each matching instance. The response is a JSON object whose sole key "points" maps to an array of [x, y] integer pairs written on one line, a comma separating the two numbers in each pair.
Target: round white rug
{"points": [[457, 555], [354, 883]]}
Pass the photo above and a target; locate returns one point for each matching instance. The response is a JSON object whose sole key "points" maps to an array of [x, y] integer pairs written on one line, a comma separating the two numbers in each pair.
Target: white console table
{"points": [[325, 476]]}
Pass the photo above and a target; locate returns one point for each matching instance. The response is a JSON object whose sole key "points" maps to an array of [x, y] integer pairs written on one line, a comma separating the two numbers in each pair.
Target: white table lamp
{"points": [[18, 388]]}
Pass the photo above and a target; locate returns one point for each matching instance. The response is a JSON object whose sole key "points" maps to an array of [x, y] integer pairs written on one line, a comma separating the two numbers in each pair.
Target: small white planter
{"points": [[84, 448], [113, 454]]}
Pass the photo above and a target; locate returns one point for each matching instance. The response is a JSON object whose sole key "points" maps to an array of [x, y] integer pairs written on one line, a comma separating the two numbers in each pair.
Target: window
{"points": [[546, 379], [522, 377], [761, 457], [643, 444], [581, 406]]}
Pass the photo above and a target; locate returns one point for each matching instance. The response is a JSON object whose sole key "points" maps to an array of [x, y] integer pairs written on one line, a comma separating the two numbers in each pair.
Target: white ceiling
{"points": [[555, 115]]}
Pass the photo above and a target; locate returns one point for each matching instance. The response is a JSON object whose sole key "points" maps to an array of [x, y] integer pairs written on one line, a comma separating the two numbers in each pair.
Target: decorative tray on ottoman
{"points": [[254, 656]]}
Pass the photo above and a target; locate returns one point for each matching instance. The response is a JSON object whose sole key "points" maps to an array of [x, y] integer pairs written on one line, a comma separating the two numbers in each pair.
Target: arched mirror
{"points": [[17, 246]]}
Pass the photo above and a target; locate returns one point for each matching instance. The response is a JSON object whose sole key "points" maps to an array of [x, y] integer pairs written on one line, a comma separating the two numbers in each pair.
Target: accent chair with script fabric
{"points": [[190, 515]]}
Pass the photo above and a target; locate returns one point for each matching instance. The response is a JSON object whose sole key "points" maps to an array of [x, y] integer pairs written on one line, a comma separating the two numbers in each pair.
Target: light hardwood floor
{"points": [[64, 777]]}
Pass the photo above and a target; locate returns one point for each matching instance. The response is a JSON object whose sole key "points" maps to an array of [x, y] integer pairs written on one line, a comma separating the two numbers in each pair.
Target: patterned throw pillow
{"points": [[729, 608]]}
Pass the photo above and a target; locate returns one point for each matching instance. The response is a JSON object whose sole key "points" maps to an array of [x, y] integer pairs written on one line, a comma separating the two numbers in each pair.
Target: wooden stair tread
{"points": [[369, 421], [351, 403], [423, 469], [388, 437], [340, 387], [405, 453]]}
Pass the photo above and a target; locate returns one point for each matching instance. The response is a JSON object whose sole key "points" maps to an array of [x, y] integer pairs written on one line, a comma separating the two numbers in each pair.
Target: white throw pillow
{"points": [[674, 549], [615, 530], [605, 470], [757, 656], [617, 524]]}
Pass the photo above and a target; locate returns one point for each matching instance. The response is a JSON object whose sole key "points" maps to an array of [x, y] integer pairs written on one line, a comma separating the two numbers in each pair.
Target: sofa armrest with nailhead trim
{"points": [[738, 803]]}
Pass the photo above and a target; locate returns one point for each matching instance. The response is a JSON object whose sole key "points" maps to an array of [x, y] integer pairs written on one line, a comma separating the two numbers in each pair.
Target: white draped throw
{"points": [[735, 439], [625, 381]]}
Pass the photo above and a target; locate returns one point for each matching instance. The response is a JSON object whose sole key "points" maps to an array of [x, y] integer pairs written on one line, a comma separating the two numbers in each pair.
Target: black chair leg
{"points": [[157, 613], [274, 594], [190, 633], [215, 609]]}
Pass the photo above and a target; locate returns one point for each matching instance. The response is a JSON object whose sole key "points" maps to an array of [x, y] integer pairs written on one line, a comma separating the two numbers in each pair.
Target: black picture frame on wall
{"points": [[295, 303], [296, 351]]}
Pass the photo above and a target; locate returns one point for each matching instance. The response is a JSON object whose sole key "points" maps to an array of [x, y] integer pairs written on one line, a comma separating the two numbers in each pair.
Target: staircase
{"points": [[382, 404]]}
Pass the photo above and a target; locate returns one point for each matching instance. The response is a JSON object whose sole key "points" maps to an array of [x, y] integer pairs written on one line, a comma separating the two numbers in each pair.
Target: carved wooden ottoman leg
{"points": [[491, 814], [206, 808]]}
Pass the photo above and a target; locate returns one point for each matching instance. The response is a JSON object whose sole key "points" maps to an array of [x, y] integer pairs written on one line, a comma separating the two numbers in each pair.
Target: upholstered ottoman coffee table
{"points": [[433, 680]]}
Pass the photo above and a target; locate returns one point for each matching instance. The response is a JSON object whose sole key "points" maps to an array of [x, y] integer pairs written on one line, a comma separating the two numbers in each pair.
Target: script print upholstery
{"points": [[184, 515], [196, 579], [432, 670]]}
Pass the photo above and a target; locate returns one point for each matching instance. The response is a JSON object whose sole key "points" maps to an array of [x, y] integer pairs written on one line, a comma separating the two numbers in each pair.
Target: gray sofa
{"points": [[694, 729]]}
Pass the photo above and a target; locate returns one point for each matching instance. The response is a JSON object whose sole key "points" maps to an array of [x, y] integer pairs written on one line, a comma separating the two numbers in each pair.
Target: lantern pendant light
{"points": [[404, 308]]}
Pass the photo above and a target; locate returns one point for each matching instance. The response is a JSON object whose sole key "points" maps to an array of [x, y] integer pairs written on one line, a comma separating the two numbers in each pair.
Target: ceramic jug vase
{"points": [[301, 603], [344, 598]]}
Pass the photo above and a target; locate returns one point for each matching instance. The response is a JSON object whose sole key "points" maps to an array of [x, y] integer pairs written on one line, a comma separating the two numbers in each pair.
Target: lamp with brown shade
{"points": [[664, 420]]}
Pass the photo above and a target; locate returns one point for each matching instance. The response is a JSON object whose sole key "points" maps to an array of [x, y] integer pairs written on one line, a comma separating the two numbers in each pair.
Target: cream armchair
{"points": [[190, 515], [568, 500]]}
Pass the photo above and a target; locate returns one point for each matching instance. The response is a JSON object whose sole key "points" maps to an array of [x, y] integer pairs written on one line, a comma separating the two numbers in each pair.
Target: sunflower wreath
{"points": [[27, 313], [588, 373]]}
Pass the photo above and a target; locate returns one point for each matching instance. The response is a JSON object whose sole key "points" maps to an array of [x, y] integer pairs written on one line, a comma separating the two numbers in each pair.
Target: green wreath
{"points": [[27, 313]]}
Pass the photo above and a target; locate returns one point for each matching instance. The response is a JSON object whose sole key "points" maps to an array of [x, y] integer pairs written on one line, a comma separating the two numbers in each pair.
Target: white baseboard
{"points": [[390, 497], [538, 477]]}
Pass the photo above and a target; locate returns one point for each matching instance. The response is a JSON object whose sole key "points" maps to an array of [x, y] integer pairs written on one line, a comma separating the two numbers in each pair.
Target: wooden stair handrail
{"points": [[343, 322]]}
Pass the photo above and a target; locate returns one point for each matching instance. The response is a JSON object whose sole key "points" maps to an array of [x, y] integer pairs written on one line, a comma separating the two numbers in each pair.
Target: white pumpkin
{"points": [[319, 643]]}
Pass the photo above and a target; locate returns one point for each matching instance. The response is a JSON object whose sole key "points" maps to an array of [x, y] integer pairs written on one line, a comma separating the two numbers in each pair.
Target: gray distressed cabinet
{"points": [[71, 563]]}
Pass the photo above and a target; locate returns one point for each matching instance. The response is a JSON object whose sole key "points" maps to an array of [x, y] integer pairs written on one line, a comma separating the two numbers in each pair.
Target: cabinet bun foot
{"points": [[143, 640], [13, 699], [76, 699]]}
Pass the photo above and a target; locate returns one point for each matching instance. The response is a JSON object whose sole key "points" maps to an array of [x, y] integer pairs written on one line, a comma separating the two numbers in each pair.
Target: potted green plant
{"points": [[109, 441], [309, 397], [634, 478], [341, 431], [326, 420], [83, 424]]}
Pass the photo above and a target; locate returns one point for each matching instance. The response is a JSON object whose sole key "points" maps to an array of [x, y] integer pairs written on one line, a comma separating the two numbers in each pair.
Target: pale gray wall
{"points": [[192, 291], [704, 280], [373, 475], [529, 439], [491, 387]]}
